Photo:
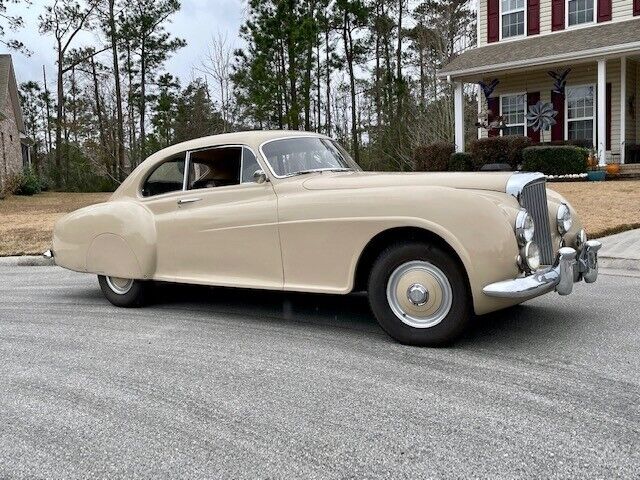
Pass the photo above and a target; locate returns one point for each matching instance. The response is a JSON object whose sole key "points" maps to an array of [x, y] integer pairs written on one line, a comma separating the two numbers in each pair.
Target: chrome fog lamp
{"points": [[531, 256], [563, 217], [525, 227]]}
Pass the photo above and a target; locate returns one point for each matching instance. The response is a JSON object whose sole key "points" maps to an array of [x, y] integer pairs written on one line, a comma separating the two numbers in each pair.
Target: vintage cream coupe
{"points": [[291, 211]]}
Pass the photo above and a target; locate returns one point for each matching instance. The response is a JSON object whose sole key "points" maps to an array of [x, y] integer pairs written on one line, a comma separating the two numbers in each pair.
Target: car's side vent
{"points": [[534, 199]]}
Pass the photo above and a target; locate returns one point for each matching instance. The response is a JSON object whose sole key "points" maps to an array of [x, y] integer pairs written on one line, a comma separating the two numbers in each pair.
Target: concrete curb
{"points": [[619, 263], [27, 261]]}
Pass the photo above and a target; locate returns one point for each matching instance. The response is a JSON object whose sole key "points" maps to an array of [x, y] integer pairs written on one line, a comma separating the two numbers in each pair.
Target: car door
{"points": [[225, 223]]}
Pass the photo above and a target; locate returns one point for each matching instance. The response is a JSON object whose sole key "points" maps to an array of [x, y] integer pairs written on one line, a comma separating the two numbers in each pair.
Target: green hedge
{"points": [[433, 157], [555, 160], [29, 183], [506, 149], [461, 162]]}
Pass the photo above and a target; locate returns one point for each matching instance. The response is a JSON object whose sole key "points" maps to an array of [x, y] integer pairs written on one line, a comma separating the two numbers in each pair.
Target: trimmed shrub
{"points": [[29, 184], [461, 162], [433, 157], [555, 160], [506, 149]]}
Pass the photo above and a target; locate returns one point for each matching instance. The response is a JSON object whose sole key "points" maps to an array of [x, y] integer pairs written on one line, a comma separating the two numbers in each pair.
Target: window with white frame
{"points": [[580, 116], [512, 109], [512, 17], [580, 11]]}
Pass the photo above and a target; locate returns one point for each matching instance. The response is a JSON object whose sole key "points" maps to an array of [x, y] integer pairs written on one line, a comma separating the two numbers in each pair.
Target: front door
{"points": [[225, 224]]}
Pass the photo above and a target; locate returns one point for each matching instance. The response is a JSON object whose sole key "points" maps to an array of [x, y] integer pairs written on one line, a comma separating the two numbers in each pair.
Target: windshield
{"points": [[295, 156]]}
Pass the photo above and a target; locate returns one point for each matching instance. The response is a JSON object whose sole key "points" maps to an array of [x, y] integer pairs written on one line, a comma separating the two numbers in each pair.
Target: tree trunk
{"points": [[116, 75], [96, 92], [348, 48], [327, 81], [143, 100], [57, 178]]}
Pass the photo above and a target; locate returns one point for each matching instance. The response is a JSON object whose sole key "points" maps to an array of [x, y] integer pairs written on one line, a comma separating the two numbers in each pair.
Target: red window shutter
{"points": [[532, 99], [533, 17], [608, 108], [493, 104], [604, 10], [493, 20], [557, 130], [636, 7], [557, 15]]}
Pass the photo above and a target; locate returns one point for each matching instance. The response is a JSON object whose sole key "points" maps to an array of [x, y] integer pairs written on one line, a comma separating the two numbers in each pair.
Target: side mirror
{"points": [[260, 177]]}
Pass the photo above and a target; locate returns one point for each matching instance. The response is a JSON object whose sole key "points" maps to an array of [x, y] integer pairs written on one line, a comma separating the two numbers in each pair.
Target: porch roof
{"points": [[603, 39]]}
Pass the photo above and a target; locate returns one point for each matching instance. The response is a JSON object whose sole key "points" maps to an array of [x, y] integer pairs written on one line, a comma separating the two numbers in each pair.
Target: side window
{"points": [[167, 177], [214, 167], [249, 165]]}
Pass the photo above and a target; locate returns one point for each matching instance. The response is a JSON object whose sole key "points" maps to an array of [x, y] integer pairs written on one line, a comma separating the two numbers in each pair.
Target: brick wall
{"points": [[10, 149]]}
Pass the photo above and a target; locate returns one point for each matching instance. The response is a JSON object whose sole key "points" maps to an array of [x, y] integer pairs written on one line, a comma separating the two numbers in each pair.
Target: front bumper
{"points": [[570, 266]]}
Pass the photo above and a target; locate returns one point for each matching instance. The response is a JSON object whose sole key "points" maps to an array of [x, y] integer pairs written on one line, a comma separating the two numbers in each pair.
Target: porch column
{"points": [[480, 101], [601, 138], [458, 107], [623, 107]]}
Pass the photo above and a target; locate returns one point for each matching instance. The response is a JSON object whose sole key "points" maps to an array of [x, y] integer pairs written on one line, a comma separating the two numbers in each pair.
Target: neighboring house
{"points": [[15, 154], [522, 42]]}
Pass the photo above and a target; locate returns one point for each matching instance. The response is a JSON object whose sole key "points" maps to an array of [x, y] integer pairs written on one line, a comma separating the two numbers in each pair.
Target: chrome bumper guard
{"points": [[570, 266]]}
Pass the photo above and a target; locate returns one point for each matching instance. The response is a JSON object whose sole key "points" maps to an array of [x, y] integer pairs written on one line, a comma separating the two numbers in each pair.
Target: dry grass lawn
{"points": [[604, 207], [26, 222]]}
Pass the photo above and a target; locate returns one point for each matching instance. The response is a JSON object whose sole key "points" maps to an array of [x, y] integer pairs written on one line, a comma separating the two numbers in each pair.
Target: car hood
{"points": [[491, 181]]}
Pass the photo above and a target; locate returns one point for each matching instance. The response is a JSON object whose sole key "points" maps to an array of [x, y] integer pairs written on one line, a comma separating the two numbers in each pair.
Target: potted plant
{"points": [[592, 159], [594, 174]]}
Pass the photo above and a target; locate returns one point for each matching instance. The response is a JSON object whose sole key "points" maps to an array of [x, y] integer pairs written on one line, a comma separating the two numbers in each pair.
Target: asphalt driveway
{"points": [[223, 383]]}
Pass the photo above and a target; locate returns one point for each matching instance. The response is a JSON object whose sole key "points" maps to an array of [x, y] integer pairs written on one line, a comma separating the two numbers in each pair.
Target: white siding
{"points": [[540, 81], [621, 10]]}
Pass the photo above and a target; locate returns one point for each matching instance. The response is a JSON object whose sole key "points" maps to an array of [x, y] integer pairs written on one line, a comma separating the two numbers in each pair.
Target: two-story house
{"points": [[581, 56]]}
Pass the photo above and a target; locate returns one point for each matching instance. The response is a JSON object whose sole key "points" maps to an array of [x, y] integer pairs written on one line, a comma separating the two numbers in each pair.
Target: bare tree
{"points": [[218, 64]]}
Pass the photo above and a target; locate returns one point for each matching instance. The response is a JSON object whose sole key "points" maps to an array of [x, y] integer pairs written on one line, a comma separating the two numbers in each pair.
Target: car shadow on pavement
{"points": [[513, 325]]}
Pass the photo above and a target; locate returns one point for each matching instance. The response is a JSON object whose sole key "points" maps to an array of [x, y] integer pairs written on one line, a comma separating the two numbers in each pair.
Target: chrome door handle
{"points": [[182, 201]]}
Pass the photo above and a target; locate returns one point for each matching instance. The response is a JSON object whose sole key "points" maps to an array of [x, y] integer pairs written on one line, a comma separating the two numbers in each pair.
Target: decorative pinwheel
{"points": [[541, 116], [559, 80]]}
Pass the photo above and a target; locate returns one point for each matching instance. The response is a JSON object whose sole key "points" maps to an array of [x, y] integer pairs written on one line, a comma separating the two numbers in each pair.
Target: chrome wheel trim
{"points": [[418, 275], [121, 286]]}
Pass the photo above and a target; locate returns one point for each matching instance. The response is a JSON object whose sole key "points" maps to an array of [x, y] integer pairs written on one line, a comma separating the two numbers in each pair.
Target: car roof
{"points": [[251, 138]]}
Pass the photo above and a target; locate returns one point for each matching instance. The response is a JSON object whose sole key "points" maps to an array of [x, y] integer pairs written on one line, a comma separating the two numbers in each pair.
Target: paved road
{"points": [[222, 383]]}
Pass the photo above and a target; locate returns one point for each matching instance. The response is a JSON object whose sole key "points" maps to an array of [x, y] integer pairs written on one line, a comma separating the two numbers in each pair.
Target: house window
{"points": [[512, 18], [580, 112], [580, 11], [512, 109]]}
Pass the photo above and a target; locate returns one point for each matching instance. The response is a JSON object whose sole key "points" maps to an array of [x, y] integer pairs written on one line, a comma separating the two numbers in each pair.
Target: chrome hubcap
{"points": [[119, 285], [419, 294]]}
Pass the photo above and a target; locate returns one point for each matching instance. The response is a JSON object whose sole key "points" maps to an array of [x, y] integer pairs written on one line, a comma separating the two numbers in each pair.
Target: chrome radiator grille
{"points": [[534, 199]]}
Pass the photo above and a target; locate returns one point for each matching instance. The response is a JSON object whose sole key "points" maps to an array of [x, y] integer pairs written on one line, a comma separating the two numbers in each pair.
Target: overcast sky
{"points": [[196, 22]]}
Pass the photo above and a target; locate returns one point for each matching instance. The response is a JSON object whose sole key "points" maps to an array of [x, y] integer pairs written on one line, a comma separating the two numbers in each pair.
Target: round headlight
{"points": [[525, 227], [564, 219], [532, 256]]}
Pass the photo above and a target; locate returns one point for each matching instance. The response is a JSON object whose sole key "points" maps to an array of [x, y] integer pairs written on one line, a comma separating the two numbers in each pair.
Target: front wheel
{"points": [[123, 292], [419, 294]]}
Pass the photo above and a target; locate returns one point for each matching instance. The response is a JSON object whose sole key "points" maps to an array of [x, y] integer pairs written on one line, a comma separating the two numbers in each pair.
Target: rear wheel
{"points": [[419, 294], [123, 292]]}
